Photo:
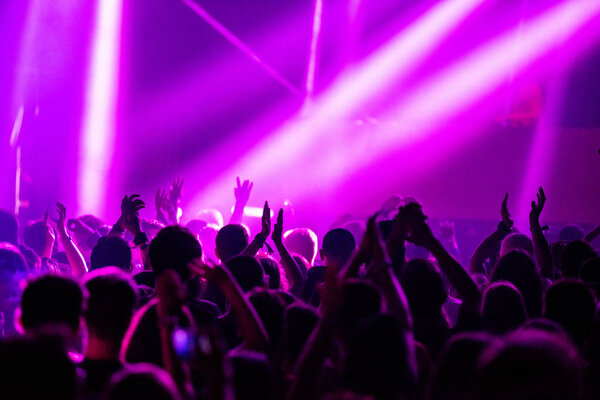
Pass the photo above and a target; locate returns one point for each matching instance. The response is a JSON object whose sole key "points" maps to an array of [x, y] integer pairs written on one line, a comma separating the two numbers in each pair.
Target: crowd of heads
{"points": [[382, 309]]}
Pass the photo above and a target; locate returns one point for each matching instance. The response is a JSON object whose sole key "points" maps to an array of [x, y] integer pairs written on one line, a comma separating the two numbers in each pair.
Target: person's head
{"points": [[424, 288], [503, 309], [575, 254], [356, 228], [51, 301], [270, 308], [380, 360], [35, 236], [247, 271], [516, 241], [338, 246], [231, 240], [13, 269], [208, 238], [361, 301], [457, 366], [518, 268], [174, 247], [590, 274], [572, 304], [112, 296], [299, 322], [302, 241], [142, 381], [272, 273], [302, 263], [252, 378], [570, 233], [111, 251], [36, 367], [530, 365], [9, 228], [211, 217]]}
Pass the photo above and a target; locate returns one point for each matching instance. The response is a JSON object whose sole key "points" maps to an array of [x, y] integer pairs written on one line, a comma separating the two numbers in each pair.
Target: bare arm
{"points": [[310, 363], [421, 235], [592, 235], [242, 195], [543, 254], [292, 271], [76, 260], [170, 309], [251, 327], [260, 239], [489, 245]]}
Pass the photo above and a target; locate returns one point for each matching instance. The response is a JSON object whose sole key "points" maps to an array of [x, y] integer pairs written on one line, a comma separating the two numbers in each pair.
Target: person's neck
{"points": [[100, 349]]}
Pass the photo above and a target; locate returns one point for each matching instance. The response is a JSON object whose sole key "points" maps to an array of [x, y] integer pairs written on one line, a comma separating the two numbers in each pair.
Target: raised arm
{"points": [[242, 195], [381, 272], [363, 254], [310, 363], [541, 248], [592, 234], [259, 240], [130, 208], [170, 309], [292, 272], [251, 327], [395, 243], [489, 245], [175, 192], [421, 235], [76, 260]]}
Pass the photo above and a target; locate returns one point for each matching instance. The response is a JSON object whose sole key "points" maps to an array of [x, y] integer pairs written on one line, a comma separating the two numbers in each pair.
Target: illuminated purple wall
{"points": [[453, 101]]}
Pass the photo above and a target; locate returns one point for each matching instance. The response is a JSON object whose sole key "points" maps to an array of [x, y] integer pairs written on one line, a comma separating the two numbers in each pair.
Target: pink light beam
{"points": [[243, 47], [299, 136], [100, 110], [312, 62]]}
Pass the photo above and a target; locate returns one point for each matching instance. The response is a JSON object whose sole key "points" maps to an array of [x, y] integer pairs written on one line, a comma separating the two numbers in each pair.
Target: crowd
{"points": [[377, 310]]}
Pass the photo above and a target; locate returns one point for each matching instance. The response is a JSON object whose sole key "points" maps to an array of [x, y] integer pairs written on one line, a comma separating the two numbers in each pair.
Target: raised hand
{"points": [[161, 202], [331, 295], [49, 236], [266, 222], [506, 218], [130, 208], [76, 260], [536, 208], [242, 191], [211, 272], [175, 192], [419, 232], [277, 234], [61, 226]]}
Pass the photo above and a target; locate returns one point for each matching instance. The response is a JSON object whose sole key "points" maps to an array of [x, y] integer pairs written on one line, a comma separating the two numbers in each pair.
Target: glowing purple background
{"points": [[406, 99]]}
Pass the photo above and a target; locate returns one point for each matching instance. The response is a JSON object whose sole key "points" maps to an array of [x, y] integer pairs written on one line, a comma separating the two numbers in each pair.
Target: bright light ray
{"points": [[459, 87], [467, 81], [542, 153], [243, 47], [396, 60], [312, 62], [99, 122]]}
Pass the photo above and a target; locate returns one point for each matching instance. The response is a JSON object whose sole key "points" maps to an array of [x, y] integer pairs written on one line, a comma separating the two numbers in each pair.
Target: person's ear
{"points": [[18, 321], [217, 254], [322, 254]]}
